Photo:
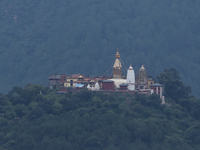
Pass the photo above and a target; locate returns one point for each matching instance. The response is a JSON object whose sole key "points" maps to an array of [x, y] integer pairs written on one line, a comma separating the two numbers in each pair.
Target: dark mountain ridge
{"points": [[39, 38]]}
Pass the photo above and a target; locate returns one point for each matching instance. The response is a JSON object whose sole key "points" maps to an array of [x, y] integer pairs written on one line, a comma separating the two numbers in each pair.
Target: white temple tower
{"points": [[88, 87], [96, 87], [131, 79]]}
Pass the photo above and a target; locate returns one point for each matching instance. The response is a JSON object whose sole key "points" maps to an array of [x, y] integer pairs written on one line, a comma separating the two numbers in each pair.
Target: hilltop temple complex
{"points": [[131, 83]]}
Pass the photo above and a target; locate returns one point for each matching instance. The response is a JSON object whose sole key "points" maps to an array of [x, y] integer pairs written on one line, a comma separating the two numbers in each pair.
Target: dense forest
{"points": [[39, 38], [36, 118]]}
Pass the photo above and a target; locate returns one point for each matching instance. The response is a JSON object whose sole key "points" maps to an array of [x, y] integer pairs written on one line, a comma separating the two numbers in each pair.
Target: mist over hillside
{"points": [[39, 38]]}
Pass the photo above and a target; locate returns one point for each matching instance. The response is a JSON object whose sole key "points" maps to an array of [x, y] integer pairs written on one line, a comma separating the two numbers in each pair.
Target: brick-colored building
{"points": [[108, 85], [123, 87]]}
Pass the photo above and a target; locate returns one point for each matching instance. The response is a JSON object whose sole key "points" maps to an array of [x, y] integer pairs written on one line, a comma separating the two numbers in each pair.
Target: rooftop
{"points": [[157, 85]]}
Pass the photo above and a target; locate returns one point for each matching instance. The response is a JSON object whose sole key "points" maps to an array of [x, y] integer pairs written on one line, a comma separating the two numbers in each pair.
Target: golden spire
{"points": [[117, 54]]}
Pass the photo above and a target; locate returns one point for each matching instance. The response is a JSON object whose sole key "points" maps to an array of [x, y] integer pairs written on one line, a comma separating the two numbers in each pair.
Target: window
{"points": [[71, 82]]}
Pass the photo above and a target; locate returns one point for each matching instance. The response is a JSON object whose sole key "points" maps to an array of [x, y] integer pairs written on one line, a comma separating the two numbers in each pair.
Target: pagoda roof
{"points": [[157, 85], [107, 81], [123, 84]]}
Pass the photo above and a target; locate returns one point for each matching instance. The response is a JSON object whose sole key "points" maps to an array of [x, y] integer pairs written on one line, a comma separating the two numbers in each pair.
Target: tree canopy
{"points": [[36, 118], [174, 87]]}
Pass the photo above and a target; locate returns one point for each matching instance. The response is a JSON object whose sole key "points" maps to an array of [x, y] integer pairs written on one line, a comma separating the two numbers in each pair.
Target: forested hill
{"points": [[35, 118], [39, 38]]}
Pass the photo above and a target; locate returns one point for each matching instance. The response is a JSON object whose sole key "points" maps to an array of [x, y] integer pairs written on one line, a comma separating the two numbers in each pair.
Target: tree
{"points": [[35, 113], [20, 110], [192, 134], [174, 87], [93, 143], [25, 142]]}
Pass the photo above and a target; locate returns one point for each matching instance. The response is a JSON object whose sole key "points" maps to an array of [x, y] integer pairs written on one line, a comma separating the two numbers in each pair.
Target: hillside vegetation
{"points": [[36, 118], [95, 121], [39, 38]]}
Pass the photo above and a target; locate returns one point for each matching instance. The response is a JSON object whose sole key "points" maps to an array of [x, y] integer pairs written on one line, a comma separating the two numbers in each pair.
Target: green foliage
{"points": [[89, 120], [192, 134], [174, 87], [93, 143], [20, 110]]}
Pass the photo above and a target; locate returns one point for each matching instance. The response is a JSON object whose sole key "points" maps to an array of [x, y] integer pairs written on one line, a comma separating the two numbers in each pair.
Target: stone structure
{"points": [[123, 87], [56, 80], [158, 89], [150, 81], [117, 72], [117, 67], [108, 85], [97, 87], [142, 80], [131, 79], [116, 82]]}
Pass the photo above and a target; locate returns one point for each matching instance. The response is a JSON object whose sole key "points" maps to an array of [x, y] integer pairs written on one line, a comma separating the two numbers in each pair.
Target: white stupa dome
{"points": [[96, 86]]}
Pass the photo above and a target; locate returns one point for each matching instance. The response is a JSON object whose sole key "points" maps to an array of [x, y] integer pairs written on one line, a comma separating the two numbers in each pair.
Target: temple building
{"points": [[137, 83], [142, 80], [78, 80], [56, 80], [117, 72], [123, 87], [158, 89], [131, 79], [73, 79], [150, 81], [117, 67], [108, 85], [97, 87]]}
